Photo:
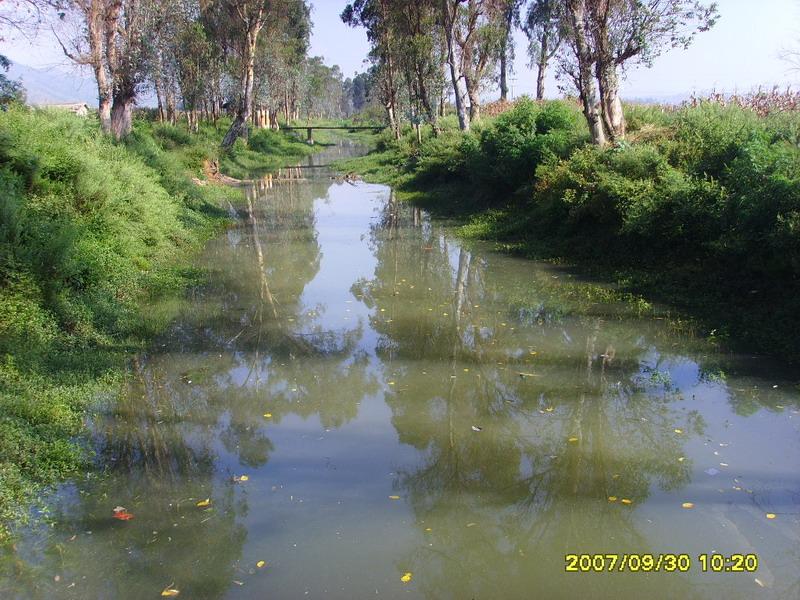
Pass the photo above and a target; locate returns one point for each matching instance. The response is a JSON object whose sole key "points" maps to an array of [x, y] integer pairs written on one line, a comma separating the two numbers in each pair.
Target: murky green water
{"points": [[343, 356]]}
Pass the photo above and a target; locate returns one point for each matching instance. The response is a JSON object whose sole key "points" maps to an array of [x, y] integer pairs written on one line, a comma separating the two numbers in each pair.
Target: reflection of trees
{"points": [[569, 413], [250, 346]]}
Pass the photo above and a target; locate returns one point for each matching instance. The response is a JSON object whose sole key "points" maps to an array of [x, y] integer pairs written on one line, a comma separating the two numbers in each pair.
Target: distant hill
{"points": [[53, 85]]}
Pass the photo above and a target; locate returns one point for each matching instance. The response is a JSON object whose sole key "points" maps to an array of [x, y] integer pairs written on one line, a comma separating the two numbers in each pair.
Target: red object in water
{"points": [[123, 515]]}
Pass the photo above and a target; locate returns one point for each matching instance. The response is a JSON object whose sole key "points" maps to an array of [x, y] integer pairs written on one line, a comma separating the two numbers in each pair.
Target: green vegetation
{"points": [[700, 207], [92, 234]]}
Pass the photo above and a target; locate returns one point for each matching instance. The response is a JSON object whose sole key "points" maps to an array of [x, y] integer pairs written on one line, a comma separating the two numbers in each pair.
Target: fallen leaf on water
{"points": [[681, 459], [241, 478], [394, 497], [687, 505], [471, 524], [612, 498], [626, 501], [406, 577], [771, 515], [549, 409], [476, 428], [267, 415], [759, 582], [203, 503], [170, 592], [122, 515], [572, 439], [428, 529], [261, 564], [679, 431]]}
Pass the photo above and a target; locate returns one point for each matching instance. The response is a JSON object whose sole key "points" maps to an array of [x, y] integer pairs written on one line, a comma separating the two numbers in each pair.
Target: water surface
{"points": [[403, 403]]}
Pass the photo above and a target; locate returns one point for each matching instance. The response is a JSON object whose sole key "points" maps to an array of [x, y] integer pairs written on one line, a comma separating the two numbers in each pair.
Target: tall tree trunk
{"points": [[455, 75], [610, 103], [171, 101], [503, 76], [541, 64], [509, 17], [425, 98], [391, 99], [96, 24], [584, 78], [239, 126], [159, 99], [122, 114], [104, 99], [474, 99]]}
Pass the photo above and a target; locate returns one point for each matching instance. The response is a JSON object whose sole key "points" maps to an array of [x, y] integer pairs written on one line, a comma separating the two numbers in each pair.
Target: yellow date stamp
{"points": [[660, 563]]}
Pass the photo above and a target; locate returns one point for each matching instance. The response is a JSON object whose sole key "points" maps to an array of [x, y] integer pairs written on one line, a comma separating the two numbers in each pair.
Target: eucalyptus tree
{"points": [[416, 23], [375, 17], [509, 15], [480, 40], [578, 63], [450, 22], [84, 24], [604, 37], [247, 20], [627, 32], [112, 36], [544, 26], [192, 65]]}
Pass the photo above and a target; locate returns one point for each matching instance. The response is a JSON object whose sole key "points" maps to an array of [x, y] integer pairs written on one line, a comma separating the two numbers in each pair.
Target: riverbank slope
{"points": [[93, 236]]}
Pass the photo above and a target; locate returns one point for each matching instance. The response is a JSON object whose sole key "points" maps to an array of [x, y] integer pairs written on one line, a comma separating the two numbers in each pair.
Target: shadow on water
{"points": [[400, 402]]}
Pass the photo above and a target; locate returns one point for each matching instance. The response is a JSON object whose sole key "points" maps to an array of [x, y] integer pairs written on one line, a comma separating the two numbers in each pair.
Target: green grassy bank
{"points": [[94, 237], [699, 208]]}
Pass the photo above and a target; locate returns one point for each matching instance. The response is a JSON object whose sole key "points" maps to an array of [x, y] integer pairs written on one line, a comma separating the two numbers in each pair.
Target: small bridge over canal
{"points": [[310, 129]]}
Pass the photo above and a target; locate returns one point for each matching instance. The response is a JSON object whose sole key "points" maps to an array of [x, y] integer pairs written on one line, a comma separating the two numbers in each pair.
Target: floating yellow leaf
{"points": [[687, 505], [267, 415], [626, 501], [681, 459], [572, 439], [170, 592], [203, 503], [679, 431], [391, 382], [406, 577], [612, 498], [549, 409], [428, 529], [771, 515], [394, 497], [261, 564], [244, 478]]}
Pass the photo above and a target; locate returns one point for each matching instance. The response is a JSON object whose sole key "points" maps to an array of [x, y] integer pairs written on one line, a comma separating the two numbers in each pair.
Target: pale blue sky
{"points": [[741, 52]]}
